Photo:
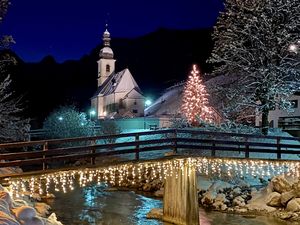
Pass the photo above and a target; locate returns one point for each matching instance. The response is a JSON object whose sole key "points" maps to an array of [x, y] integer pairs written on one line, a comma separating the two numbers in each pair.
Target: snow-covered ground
{"points": [[277, 132], [201, 152]]}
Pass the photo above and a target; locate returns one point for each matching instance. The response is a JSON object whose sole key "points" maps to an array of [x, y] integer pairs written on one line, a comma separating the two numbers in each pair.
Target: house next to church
{"points": [[118, 94], [287, 121]]}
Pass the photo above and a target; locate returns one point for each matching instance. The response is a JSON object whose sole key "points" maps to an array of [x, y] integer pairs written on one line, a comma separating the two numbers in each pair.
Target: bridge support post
{"points": [[180, 197]]}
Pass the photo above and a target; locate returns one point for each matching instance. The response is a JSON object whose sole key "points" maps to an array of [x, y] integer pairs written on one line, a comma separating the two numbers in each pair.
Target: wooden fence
{"points": [[48, 151], [291, 123]]}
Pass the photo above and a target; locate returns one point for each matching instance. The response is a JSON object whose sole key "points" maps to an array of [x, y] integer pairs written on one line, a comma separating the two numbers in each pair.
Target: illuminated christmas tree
{"points": [[195, 99]]}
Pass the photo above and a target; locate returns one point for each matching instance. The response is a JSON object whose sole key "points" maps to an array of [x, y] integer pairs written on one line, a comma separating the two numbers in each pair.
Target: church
{"points": [[118, 95]]}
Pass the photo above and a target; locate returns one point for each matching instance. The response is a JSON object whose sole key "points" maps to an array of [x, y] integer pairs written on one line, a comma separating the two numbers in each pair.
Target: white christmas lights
{"points": [[115, 175]]}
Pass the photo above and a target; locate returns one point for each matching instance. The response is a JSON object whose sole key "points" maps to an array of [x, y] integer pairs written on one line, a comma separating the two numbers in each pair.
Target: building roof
{"points": [[167, 104], [119, 82], [106, 53], [134, 94]]}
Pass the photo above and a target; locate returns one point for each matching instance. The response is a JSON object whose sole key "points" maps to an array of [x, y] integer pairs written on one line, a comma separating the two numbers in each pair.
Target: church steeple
{"points": [[106, 63], [106, 37], [106, 52]]}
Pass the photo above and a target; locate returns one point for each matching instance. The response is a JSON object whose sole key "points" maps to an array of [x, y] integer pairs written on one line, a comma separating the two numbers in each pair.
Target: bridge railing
{"points": [[181, 141]]}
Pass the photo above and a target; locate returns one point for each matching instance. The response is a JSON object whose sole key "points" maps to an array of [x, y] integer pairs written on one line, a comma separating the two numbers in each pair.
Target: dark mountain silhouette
{"points": [[157, 60]]}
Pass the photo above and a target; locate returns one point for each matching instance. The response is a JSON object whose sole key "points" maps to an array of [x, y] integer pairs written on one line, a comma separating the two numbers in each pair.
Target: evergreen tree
{"points": [[253, 40], [12, 126], [195, 102], [67, 122]]}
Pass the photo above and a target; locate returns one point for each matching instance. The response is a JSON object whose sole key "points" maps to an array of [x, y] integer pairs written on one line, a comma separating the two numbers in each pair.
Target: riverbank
{"points": [[280, 198], [94, 205], [26, 209], [233, 194]]}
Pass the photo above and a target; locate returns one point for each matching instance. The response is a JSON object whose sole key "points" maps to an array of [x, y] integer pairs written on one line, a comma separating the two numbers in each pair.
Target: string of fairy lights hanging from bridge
{"points": [[64, 181]]}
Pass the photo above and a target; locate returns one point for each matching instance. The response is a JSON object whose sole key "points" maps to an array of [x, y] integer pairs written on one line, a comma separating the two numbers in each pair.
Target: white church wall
{"points": [[114, 98], [100, 107], [135, 106]]}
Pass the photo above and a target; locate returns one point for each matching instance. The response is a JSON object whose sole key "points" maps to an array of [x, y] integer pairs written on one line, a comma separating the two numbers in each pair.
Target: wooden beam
{"points": [[180, 197]]}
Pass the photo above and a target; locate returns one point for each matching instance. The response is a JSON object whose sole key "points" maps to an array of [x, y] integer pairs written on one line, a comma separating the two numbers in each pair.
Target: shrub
{"points": [[109, 127], [67, 122], [179, 123]]}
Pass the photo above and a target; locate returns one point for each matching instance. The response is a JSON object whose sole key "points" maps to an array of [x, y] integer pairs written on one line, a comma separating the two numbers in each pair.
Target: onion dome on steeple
{"points": [[106, 52]]}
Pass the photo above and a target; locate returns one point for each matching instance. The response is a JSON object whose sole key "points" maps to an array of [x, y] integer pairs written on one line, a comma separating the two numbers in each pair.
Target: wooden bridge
{"points": [[213, 144], [136, 147]]}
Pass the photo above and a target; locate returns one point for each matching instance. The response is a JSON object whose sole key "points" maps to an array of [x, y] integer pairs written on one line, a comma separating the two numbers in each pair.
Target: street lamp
{"points": [[92, 113], [148, 102]]}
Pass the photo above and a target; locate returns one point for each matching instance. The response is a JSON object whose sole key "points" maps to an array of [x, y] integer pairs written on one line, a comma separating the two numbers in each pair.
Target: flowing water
{"points": [[94, 206]]}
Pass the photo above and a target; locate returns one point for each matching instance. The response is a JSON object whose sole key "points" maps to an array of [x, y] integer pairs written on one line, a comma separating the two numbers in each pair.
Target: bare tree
{"points": [[12, 126], [252, 49]]}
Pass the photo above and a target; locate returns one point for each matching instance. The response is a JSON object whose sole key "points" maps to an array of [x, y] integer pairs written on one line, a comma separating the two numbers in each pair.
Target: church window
{"points": [[134, 103], [134, 111], [107, 68]]}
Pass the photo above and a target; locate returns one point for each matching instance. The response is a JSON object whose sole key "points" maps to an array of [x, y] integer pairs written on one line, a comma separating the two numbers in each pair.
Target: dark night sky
{"points": [[68, 29]]}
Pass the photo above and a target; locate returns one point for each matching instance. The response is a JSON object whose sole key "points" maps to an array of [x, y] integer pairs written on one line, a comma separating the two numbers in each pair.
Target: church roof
{"points": [[122, 81], [106, 53]]}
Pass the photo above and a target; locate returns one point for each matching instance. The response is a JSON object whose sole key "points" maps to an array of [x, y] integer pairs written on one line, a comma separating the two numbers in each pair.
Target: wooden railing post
{"points": [[93, 159], [45, 148], [213, 152], [246, 149], [137, 147], [278, 148], [175, 141]]}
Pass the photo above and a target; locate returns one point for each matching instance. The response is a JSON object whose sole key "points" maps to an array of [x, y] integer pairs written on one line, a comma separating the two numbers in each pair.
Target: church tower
{"points": [[106, 63], [118, 95]]}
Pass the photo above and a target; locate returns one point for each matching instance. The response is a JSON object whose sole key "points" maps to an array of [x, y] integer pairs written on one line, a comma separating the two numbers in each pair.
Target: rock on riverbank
{"points": [[280, 198], [24, 211]]}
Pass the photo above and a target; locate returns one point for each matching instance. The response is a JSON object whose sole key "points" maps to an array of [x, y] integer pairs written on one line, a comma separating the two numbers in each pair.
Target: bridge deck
{"points": [[41, 155]]}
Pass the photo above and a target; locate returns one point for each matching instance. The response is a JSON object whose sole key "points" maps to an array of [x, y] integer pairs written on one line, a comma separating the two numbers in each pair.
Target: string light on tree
{"points": [[195, 99]]}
